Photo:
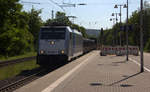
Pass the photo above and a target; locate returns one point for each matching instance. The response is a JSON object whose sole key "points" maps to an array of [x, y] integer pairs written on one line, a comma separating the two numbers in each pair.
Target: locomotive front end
{"points": [[52, 45]]}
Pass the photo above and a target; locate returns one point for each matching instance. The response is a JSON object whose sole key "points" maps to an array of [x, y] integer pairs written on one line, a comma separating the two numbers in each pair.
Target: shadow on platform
{"points": [[124, 79]]}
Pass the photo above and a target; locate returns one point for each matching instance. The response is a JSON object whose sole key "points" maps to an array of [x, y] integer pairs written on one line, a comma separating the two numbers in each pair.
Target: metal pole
{"points": [[52, 14], [141, 37], [116, 30], [120, 13], [120, 23], [127, 31], [113, 21], [116, 18], [114, 40]]}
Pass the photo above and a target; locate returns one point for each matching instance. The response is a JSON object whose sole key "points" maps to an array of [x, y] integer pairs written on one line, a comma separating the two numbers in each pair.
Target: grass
{"points": [[17, 57], [13, 70]]}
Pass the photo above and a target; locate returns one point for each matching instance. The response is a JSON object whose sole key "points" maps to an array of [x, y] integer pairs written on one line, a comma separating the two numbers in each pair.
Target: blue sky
{"points": [[96, 14]]}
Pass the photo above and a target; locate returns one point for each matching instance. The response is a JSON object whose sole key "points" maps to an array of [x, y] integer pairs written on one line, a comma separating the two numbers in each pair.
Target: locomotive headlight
{"points": [[41, 52], [52, 42], [62, 52]]}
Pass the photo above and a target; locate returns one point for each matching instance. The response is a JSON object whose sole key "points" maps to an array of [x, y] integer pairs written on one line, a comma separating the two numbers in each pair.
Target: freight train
{"points": [[61, 43]]}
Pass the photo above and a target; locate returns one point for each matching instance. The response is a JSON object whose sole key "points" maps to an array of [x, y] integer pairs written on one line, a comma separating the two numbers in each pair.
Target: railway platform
{"points": [[94, 73]]}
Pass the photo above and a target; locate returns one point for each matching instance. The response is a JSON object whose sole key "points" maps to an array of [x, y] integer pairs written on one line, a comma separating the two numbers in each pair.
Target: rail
{"points": [[8, 62], [19, 83]]}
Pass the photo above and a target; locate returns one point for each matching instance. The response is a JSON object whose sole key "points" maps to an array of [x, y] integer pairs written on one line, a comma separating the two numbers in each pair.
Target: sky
{"points": [[95, 14]]}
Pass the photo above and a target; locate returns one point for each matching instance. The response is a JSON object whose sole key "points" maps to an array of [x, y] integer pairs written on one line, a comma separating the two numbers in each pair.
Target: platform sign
{"points": [[119, 50]]}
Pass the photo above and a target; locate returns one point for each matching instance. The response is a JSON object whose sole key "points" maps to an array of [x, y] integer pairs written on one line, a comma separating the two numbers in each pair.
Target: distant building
{"points": [[93, 32]]}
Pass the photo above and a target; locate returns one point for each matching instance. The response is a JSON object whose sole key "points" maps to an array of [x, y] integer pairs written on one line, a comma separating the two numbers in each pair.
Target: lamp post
{"points": [[116, 6], [116, 14], [141, 37], [127, 58], [113, 20], [127, 28], [52, 14]]}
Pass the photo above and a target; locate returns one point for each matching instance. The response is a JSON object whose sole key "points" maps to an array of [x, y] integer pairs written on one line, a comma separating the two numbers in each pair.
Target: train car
{"points": [[88, 45], [58, 43]]}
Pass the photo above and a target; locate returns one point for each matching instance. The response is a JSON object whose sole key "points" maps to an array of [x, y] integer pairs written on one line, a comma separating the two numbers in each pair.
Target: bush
{"points": [[15, 41], [147, 47]]}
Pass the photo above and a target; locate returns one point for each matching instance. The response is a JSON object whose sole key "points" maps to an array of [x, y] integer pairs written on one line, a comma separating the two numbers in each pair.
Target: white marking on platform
{"points": [[139, 64], [51, 87]]}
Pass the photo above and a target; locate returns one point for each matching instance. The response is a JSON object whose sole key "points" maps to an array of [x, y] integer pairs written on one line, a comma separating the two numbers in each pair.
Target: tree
{"points": [[34, 23], [134, 30], [61, 19], [9, 9], [147, 47], [14, 35], [80, 29]]}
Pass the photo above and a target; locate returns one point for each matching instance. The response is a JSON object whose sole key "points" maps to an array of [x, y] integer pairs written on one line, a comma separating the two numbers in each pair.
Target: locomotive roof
{"points": [[85, 39], [69, 29], [77, 32], [54, 26]]}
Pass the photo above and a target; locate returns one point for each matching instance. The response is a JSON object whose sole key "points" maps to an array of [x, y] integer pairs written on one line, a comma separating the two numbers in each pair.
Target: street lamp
{"points": [[116, 14], [127, 28], [124, 6], [120, 5], [113, 20], [141, 37], [127, 58]]}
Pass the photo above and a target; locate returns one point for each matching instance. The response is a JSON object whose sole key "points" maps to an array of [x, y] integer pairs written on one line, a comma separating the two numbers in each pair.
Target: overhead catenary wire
{"points": [[57, 5], [30, 2]]}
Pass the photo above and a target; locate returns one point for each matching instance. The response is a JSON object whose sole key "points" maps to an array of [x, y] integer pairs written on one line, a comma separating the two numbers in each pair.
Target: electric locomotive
{"points": [[58, 43]]}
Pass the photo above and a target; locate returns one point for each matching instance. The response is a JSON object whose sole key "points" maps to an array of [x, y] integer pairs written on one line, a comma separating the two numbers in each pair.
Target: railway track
{"points": [[9, 62], [27, 79], [14, 85], [41, 71]]}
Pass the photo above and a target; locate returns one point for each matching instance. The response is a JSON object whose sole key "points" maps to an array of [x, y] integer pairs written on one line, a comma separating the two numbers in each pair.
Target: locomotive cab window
{"points": [[53, 33]]}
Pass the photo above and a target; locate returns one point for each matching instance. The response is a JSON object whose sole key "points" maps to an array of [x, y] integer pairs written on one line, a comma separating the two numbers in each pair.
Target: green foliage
{"points": [[147, 29], [34, 23], [15, 41], [147, 47], [17, 69], [110, 35], [9, 8], [80, 29], [60, 20], [107, 37], [15, 37], [28, 54], [146, 26], [133, 32]]}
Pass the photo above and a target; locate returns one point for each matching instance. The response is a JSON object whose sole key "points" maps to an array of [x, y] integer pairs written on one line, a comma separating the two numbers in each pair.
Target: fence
{"points": [[119, 50]]}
